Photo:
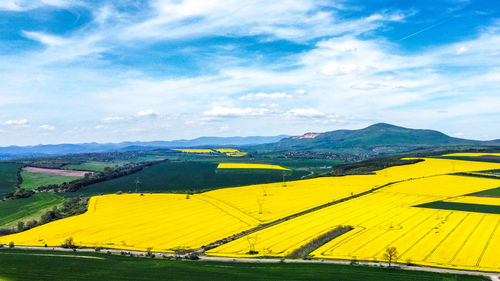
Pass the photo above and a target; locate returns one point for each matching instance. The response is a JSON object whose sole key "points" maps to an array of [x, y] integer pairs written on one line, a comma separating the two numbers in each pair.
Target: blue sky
{"points": [[108, 71]]}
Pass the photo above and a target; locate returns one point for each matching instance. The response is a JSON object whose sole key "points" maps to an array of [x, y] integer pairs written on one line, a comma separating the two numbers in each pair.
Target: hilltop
{"points": [[377, 138]]}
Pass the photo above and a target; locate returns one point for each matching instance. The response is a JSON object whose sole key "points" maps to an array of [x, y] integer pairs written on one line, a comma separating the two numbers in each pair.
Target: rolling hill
{"points": [[378, 138]]}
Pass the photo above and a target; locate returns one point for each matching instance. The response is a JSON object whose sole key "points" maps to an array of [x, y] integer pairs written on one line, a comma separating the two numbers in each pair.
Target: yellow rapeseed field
{"points": [[231, 152], [268, 202], [250, 166], [387, 217], [226, 150], [194, 150], [162, 222], [165, 222]]}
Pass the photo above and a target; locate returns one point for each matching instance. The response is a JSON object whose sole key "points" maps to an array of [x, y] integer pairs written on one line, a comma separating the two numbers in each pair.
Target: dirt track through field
{"points": [[57, 172]]}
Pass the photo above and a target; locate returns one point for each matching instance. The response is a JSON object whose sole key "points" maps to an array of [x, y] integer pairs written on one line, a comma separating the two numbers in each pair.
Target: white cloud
{"points": [[461, 50], [19, 122], [112, 119], [265, 96], [220, 111], [147, 113], [22, 5], [296, 20], [305, 112], [47, 127], [362, 80], [46, 39]]}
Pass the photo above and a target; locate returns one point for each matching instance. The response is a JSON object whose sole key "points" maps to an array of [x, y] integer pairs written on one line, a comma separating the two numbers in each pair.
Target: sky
{"points": [[125, 70]]}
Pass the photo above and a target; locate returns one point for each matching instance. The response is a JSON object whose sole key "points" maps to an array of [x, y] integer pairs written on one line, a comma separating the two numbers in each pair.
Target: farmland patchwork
{"points": [[391, 211]]}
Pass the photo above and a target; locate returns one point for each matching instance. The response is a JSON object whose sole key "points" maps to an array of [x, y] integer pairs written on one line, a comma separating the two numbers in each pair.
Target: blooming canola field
{"points": [[386, 214], [250, 166], [450, 238], [160, 222], [380, 219]]}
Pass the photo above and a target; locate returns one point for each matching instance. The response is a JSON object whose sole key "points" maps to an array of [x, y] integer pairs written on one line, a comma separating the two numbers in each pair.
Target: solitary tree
{"points": [[68, 243], [391, 253]]}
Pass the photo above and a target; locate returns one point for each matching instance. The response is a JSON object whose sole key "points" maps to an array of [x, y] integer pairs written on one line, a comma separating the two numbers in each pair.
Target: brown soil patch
{"points": [[493, 157], [57, 172], [483, 195]]}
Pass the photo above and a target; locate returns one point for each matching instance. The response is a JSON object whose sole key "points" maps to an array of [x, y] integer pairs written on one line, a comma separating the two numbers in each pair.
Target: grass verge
{"points": [[51, 265]]}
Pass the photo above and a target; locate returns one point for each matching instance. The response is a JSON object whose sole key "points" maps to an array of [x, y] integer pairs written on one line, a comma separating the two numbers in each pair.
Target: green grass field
{"points": [[291, 163], [184, 177], [8, 177], [479, 159], [92, 166], [491, 192], [52, 265], [11, 211], [489, 209], [34, 180]]}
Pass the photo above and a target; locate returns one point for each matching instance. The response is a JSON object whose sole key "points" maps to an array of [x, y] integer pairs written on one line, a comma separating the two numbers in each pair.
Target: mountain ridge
{"points": [[375, 139], [9, 152]]}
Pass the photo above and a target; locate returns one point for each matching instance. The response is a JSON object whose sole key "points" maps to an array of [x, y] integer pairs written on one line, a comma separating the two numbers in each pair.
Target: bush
{"points": [[30, 224], [11, 244], [20, 226], [6, 231], [193, 256], [68, 244], [97, 249]]}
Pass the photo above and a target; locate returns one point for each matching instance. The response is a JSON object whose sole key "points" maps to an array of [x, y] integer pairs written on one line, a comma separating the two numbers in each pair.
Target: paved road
{"points": [[492, 276]]}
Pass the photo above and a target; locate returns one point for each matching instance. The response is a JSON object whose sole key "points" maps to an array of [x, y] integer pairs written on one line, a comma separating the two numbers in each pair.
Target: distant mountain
{"points": [[375, 139], [10, 152]]}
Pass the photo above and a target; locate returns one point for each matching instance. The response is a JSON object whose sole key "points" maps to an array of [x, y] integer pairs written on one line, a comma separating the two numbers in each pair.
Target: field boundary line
{"points": [[466, 240], [487, 244], [245, 218], [446, 237], [287, 218]]}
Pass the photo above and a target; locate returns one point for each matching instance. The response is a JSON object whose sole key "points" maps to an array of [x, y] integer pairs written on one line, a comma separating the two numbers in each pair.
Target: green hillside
{"points": [[375, 139]]}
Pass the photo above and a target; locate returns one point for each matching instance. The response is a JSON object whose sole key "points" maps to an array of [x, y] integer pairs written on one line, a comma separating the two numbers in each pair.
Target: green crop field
{"points": [[11, 211], [92, 166], [491, 192], [466, 158], [52, 265], [184, 177], [8, 177], [34, 180], [489, 209]]}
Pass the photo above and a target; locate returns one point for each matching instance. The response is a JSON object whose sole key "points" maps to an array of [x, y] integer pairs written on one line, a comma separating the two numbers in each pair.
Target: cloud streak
{"points": [[195, 68]]}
